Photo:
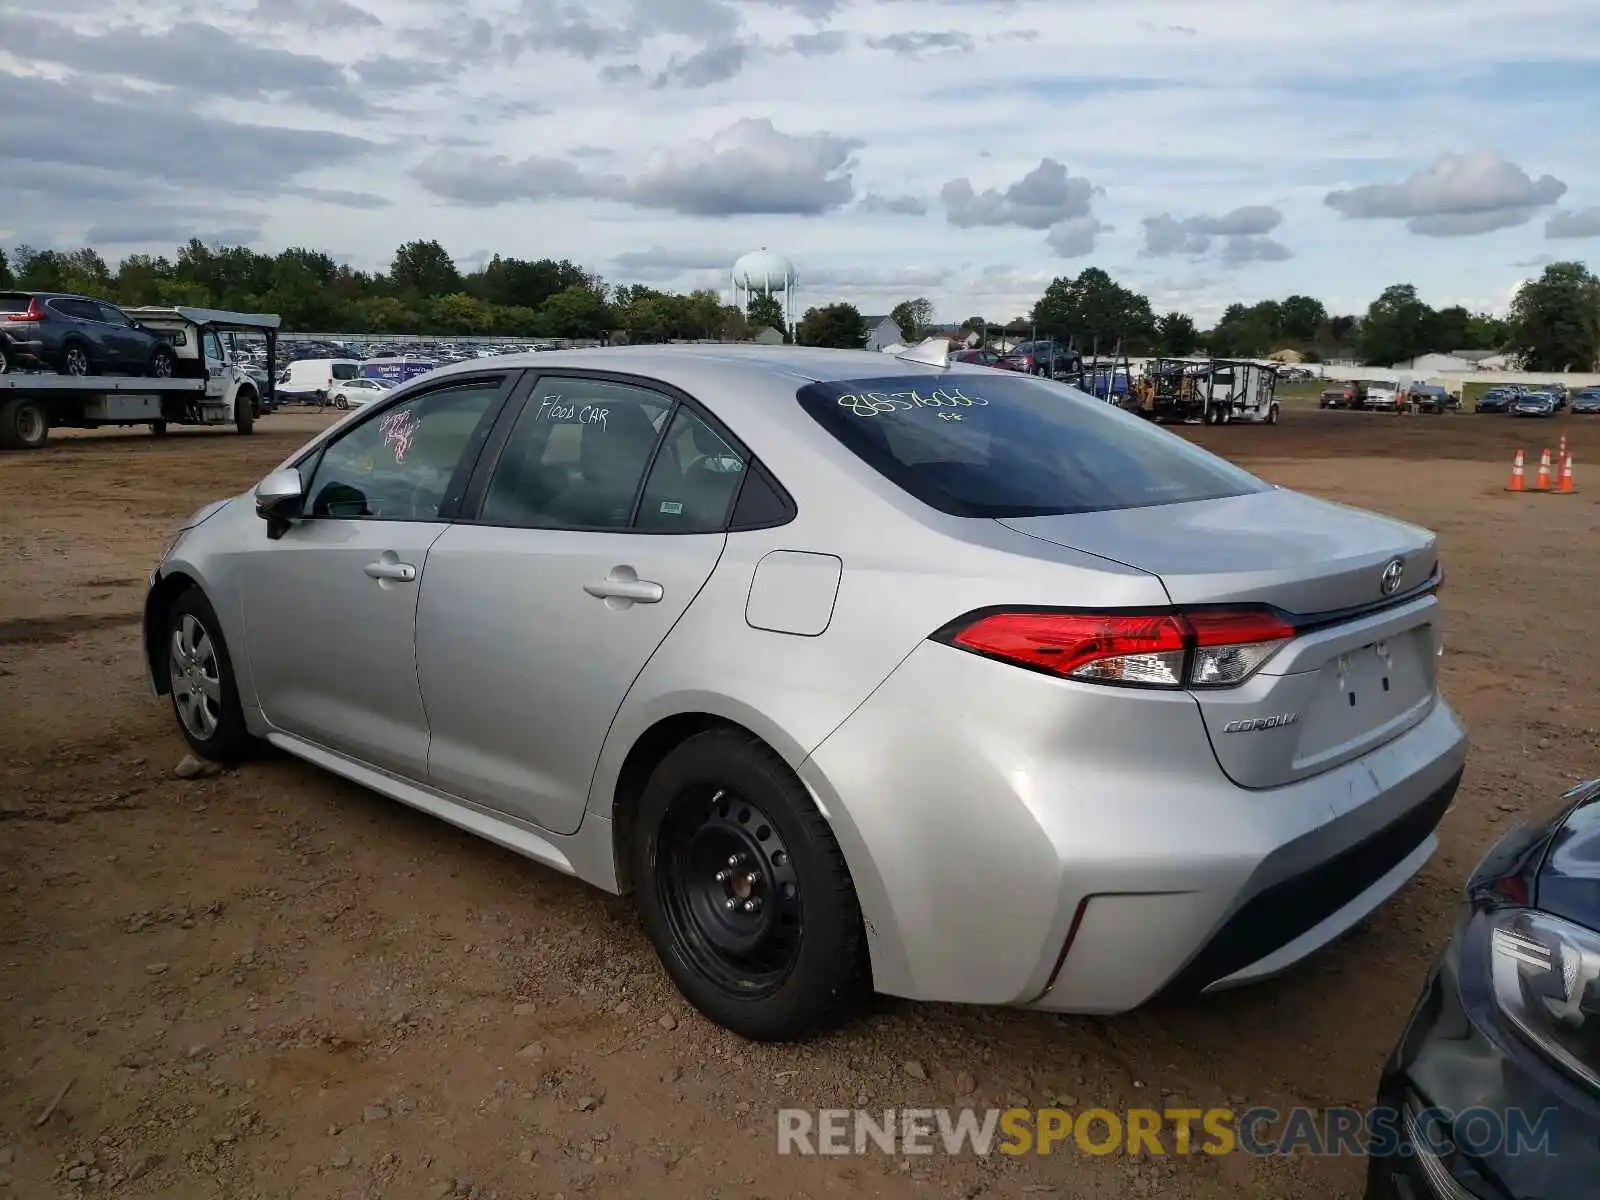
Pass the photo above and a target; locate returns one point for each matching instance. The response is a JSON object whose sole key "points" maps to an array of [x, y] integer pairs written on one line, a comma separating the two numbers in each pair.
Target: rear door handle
{"points": [[623, 583], [402, 572]]}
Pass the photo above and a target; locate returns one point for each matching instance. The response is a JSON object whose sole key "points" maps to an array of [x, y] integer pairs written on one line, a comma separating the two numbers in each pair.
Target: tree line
{"points": [[1554, 323]]}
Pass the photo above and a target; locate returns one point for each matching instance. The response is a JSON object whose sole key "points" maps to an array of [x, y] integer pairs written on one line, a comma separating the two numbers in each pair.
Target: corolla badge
{"points": [[1256, 724], [1389, 581]]}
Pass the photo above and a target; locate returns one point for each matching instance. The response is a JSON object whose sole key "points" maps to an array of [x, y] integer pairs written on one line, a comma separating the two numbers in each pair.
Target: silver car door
{"points": [[543, 604], [330, 606]]}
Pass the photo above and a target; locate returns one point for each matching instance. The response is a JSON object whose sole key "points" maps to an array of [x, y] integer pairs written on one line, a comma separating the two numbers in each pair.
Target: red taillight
{"points": [[32, 313], [1196, 648]]}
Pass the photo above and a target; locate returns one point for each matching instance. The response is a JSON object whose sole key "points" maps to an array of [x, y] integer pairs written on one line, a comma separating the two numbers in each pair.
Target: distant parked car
{"points": [[1495, 400], [1586, 402], [1431, 398], [1045, 357], [1534, 404], [353, 393], [1342, 395], [982, 357], [78, 335]]}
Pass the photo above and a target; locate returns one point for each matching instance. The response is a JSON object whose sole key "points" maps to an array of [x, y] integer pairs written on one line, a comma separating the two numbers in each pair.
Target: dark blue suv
{"points": [[78, 335]]}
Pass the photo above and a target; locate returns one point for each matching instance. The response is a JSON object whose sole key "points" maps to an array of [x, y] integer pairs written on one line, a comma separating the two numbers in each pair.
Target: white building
{"points": [[880, 332]]}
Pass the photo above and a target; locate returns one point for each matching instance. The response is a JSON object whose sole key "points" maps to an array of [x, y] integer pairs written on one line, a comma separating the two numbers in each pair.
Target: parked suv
{"points": [[1044, 357], [78, 335]]}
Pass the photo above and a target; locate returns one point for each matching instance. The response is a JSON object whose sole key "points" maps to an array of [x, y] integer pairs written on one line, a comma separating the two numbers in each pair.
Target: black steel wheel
{"points": [[729, 890], [745, 892]]}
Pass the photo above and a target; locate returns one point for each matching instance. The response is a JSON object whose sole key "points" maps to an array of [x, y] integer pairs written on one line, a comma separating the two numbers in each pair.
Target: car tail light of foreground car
{"points": [[1198, 648]]}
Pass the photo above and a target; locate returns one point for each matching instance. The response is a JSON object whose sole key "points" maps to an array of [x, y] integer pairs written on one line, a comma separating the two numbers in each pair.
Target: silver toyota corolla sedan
{"points": [[855, 670]]}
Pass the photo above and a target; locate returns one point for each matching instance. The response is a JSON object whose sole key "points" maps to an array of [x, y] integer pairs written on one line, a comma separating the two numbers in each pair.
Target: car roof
{"points": [[693, 367]]}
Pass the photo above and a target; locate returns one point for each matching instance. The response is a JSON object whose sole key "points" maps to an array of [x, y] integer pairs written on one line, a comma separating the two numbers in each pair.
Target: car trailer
{"points": [[207, 387], [1212, 391]]}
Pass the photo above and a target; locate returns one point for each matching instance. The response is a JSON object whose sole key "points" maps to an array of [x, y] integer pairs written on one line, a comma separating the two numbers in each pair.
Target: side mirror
{"points": [[280, 498]]}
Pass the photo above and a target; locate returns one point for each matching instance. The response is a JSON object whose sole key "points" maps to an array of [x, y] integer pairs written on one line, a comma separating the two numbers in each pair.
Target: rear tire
{"points": [[200, 678], [1272, 415], [24, 425], [723, 823], [244, 413], [158, 428]]}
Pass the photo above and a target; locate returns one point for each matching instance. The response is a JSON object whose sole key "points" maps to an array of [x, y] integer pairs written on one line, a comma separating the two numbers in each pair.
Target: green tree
{"points": [[764, 309], [836, 325], [425, 269], [6, 279], [1398, 326], [913, 317], [1094, 307], [1554, 324], [1247, 331], [1176, 334], [580, 311], [1301, 318]]}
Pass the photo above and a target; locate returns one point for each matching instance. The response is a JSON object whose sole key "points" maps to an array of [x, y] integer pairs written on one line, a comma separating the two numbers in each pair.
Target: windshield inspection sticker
{"points": [[553, 410], [873, 404], [671, 506]]}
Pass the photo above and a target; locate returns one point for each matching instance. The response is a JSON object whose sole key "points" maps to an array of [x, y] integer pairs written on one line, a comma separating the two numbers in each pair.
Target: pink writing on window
{"points": [[398, 431]]}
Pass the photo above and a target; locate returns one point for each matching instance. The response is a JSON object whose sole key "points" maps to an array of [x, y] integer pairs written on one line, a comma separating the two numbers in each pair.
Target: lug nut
{"points": [[724, 875], [730, 903], [735, 859], [752, 905]]}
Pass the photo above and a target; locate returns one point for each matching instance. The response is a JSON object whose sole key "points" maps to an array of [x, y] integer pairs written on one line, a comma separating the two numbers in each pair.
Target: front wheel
{"points": [[158, 428], [340, 402], [244, 413], [744, 890], [1272, 415], [205, 696]]}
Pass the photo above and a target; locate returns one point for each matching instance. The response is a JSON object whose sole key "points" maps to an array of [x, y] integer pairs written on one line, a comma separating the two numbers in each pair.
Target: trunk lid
{"points": [[1361, 673]]}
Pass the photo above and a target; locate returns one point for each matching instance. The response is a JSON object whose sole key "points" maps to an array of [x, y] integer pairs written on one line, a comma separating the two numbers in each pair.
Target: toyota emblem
{"points": [[1389, 581]]}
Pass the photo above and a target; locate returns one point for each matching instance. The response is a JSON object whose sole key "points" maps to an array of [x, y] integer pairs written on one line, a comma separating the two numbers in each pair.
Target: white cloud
{"points": [[1458, 196], [611, 128]]}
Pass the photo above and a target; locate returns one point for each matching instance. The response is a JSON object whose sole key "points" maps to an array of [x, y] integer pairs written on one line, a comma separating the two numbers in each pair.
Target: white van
{"points": [[311, 379]]}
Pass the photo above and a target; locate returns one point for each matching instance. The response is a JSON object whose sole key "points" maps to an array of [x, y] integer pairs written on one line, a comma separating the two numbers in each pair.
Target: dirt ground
{"points": [[270, 983]]}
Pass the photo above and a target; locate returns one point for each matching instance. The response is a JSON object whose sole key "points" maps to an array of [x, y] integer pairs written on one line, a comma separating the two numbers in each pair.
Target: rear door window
{"points": [[1015, 446], [577, 456], [345, 370]]}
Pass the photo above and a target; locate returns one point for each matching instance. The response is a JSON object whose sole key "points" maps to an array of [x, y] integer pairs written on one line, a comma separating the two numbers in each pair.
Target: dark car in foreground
{"points": [[1534, 404], [1586, 402], [78, 335], [1496, 1080]]}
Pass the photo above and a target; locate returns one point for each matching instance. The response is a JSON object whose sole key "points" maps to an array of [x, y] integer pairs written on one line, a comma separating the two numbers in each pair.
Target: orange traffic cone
{"points": [[1566, 487], [1516, 484], [1541, 482]]}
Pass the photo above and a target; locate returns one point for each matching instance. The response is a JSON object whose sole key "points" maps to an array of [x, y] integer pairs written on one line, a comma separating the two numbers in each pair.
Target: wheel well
{"points": [[156, 608], [653, 745]]}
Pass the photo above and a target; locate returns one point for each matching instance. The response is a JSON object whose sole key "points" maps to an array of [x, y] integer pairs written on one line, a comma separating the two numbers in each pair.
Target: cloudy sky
{"points": [[1203, 151]]}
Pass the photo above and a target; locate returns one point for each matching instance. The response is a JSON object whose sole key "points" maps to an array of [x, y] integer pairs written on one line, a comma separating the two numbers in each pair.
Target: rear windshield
{"points": [[345, 370], [1003, 446], [14, 301]]}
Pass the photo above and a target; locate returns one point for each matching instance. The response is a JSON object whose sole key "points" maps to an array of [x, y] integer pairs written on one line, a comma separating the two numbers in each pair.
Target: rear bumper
{"points": [[1058, 845]]}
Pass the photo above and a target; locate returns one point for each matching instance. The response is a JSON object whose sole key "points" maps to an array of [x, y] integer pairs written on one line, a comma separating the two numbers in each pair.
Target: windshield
{"points": [[1015, 446]]}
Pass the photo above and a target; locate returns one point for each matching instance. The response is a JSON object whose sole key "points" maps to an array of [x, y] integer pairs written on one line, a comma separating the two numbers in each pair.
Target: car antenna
{"points": [[934, 351]]}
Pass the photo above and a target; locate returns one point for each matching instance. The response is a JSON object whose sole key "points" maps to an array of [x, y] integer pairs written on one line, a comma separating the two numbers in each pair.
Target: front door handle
{"points": [[386, 569], [624, 584]]}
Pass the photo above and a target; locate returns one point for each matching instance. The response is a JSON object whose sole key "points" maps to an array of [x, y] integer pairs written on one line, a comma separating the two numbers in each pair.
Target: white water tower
{"points": [[763, 273]]}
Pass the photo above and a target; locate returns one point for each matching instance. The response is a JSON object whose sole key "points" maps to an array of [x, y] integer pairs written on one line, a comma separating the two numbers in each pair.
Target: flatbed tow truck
{"points": [[207, 386]]}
